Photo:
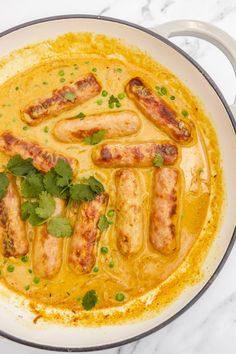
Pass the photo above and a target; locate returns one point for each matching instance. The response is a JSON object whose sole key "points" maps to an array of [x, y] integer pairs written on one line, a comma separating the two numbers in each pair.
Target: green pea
{"points": [[118, 104], [61, 72], [62, 79], [25, 259], [94, 70], [95, 269], [46, 129], [10, 268], [17, 88], [25, 128], [184, 113], [111, 264], [36, 280], [120, 297], [104, 250], [104, 93], [121, 95], [111, 213], [99, 102], [172, 98], [27, 287]]}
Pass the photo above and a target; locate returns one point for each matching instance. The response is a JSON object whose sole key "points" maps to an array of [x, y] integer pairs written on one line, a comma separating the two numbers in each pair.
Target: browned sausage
{"points": [[43, 158], [12, 229], [47, 249], [158, 111], [133, 155], [163, 218], [116, 124], [129, 219], [61, 100], [82, 254]]}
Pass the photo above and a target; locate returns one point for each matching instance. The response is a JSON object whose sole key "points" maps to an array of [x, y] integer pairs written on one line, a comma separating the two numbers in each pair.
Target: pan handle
{"points": [[206, 31]]}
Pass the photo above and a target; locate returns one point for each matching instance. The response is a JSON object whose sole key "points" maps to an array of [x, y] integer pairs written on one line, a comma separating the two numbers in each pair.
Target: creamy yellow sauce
{"points": [[201, 182]]}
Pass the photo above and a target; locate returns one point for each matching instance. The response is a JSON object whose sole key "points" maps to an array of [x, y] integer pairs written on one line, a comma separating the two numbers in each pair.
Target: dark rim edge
{"points": [[233, 238]]}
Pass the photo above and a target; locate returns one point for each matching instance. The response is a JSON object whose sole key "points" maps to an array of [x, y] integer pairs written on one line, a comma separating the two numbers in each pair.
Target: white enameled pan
{"points": [[15, 323]]}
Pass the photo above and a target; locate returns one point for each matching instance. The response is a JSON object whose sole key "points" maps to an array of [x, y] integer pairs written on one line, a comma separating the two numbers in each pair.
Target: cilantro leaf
{"points": [[32, 185], [103, 223], [59, 227], [158, 160], [95, 138], [70, 96], [28, 211], [81, 116], [51, 186], [94, 184], [20, 167], [65, 173], [81, 193], [90, 299], [46, 206], [4, 182]]}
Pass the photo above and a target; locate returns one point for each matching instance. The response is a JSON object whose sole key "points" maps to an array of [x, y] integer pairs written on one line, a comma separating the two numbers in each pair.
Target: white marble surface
{"points": [[210, 325]]}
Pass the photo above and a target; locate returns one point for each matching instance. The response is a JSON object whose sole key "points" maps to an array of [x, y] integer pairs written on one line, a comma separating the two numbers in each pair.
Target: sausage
{"points": [[116, 124], [61, 100], [158, 111], [14, 241], [129, 219], [47, 249], [43, 158], [163, 216], [134, 155], [82, 253]]}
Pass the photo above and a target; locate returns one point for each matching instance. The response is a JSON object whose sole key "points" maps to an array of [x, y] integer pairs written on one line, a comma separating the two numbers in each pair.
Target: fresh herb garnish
{"points": [[90, 299], [81, 193], [95, 269], [27, 287], [94, 70], [113, 101], [28, 212], [158, 160], [4, 182], [20, 167], [103, 223], [100, 102], [46, 206], [59, 227], [111, 213], [65, 173], [32, 185], [95, 138], [46, 129], [81, 115], [172, 98]]}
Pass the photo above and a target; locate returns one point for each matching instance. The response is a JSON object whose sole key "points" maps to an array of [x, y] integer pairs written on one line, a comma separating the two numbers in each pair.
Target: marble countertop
{"points": [[210, 325]]}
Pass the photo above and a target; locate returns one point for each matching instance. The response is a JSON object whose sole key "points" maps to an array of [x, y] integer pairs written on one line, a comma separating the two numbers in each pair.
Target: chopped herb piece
{"points": [[111, 105], [94, 70], [111, 264], [81, 193], [62, 79], [104, 250], [184, 113], [121, 95], [99, 102], [104, 93], [172, 98], [70, 96], [81, 115], [120, 297], [45, 83], [30, 271], [111, 213], [4, 182], [95, 269], [158, 160], [90, 299], [46, 206], [78, 299], [118, 70], [46, 129], [118, 104], [27, 287], [20, 167], [17, 88], [103, 223], [36, 280], [61, 72], [25, 127], [25, 259], [32, 185], [59, 227], [86, 62], [95, 138], [10, 268], [112, 101]]}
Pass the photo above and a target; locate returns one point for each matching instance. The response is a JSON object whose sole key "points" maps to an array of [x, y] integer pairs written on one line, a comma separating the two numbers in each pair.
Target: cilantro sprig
{"points": [[95, 138], [4, 182], [90, 299]]}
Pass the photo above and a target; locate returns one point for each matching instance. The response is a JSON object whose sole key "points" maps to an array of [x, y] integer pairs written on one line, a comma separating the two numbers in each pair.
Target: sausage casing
{"points": [[116, 124], [62, 100], [82, 253], [158, 111], [133, 155], [12, 228], [47, 249], [43, 158], [163, 217], [129, 219]]}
